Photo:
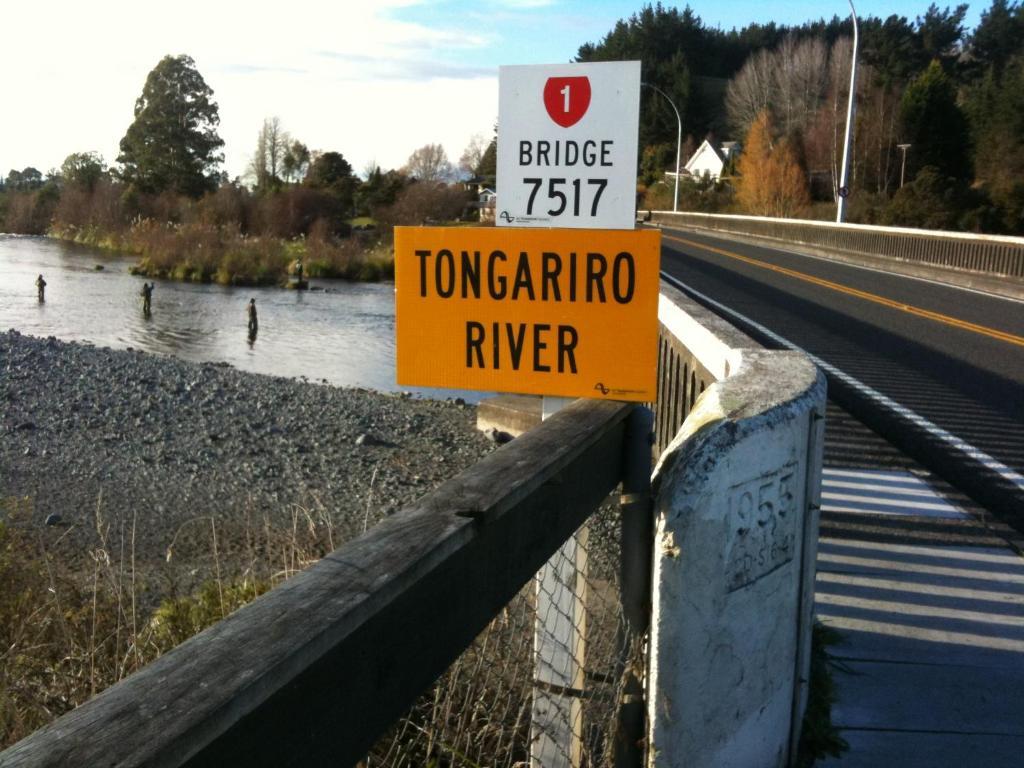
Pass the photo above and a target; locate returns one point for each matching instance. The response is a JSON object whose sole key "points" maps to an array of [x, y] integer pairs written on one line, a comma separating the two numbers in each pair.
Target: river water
{"points": [[343, 335]]}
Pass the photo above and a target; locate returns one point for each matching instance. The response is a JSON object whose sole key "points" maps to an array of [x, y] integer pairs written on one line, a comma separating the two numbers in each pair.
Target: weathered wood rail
{"points": [[315, 670]]}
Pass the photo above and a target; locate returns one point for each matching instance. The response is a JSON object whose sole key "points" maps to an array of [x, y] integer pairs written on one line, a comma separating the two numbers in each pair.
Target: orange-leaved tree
{"points": [[771, 181]]}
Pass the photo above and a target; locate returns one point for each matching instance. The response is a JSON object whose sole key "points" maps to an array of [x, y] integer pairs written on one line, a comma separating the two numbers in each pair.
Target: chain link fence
{"points": [[542, 683]]}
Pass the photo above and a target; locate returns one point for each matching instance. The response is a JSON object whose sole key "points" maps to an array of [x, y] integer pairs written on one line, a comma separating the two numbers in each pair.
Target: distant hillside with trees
{"points": [[956, 97]]}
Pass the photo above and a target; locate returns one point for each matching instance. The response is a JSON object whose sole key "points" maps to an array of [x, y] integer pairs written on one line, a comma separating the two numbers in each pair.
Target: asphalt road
{"points": [[951, 355]]}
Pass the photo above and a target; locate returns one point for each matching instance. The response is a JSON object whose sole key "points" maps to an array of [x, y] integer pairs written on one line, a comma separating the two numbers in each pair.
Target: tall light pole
{"points": [[679, 141], [903, 165], [844, 179]]}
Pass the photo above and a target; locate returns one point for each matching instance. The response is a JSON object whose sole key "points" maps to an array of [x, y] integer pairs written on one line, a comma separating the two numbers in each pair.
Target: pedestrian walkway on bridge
{"points": [[927, 592]]}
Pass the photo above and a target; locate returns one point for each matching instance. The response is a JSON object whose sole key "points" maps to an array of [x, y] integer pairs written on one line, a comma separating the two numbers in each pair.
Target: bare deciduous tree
{"points": [[472, 155], [799, 76], [429, 163], [420, 204], [750, 92], [266, 165], [789, 81]]}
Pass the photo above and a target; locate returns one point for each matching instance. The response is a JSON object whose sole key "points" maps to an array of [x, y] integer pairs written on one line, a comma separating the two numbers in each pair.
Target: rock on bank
{"points": [[160, 443]]}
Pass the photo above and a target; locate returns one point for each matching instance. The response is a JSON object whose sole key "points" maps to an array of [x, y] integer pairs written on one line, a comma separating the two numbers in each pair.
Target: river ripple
{"points": [[344, 334]]}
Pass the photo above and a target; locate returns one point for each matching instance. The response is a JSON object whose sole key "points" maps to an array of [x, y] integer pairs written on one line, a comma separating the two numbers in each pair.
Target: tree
{"points": [[671, 45], [331, 172], [422, 202], [790, 81], [379, 191], [429, 163], [296, 161], [823, 136], [892, 48], [83, 169], [172, 144], [655, 159], [800, 78], [998, 37], [750, 93], [472, 155], [488, 166], [267, 162], [941, 31], [25, 179], [771, 181], [935, 126], [996, 108], [930, 201]]}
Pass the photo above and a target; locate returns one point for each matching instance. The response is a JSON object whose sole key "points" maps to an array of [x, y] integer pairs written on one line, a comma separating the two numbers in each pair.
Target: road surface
{"points": [[952, 356]]}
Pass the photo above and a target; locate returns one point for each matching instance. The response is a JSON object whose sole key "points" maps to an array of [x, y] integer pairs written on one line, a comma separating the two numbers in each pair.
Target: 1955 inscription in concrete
{"points": [[763, 521]]}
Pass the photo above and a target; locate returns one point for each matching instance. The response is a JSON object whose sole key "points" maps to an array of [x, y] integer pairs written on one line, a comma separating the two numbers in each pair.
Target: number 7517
{"points": [[555, 194]]}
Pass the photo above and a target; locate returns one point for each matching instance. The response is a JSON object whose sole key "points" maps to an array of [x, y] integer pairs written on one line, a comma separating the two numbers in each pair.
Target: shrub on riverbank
{"points": [[204, 253], [213, 240], [234, 235]]}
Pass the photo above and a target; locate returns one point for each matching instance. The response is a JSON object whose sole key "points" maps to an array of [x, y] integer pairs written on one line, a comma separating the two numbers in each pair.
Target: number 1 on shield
{"points": [[565, 93]]}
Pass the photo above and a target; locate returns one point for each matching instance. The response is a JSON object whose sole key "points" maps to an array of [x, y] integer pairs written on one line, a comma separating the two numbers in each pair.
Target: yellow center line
{"points": [[908, 308]]}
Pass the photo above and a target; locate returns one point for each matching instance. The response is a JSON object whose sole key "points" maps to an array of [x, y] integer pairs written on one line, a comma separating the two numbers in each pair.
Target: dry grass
{"points": [[207, 253], [68, 633], [69, 630]]}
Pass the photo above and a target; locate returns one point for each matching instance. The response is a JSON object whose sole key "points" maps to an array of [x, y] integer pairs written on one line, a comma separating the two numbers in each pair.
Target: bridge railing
{"points": [[983, 254], [325, 667], [314, 671], [737, 495]]}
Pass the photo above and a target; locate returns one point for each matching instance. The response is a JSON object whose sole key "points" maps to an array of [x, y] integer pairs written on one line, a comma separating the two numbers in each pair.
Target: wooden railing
{"points": [[315, 670]]}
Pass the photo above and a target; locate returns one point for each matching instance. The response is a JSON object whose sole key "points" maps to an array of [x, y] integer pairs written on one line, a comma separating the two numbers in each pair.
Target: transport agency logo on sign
{"points": [[567, 145], [564, 312]]}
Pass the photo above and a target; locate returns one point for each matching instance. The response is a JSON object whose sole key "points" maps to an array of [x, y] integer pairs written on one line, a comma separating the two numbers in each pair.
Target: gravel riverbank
{"points": [[131, 451]]}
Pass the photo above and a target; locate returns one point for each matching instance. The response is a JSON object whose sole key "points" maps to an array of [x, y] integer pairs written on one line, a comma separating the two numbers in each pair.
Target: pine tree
{"points": [[935, 126], [173, 144]]}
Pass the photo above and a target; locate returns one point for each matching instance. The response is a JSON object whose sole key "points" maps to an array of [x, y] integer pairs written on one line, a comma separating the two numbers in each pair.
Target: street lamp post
{"points": [[844, 180], [903, 165], [679, 141]]}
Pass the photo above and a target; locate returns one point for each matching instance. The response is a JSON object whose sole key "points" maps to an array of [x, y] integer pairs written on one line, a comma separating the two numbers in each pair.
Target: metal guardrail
{"points": [[983, 254]]}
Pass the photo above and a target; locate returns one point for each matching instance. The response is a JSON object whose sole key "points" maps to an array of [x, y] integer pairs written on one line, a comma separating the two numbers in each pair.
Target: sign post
{"points": [[567, 159], [559, 299]]}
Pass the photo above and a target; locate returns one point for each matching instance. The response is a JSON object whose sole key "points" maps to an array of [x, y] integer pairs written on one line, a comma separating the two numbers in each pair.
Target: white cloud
{"points": [[341, 76]]}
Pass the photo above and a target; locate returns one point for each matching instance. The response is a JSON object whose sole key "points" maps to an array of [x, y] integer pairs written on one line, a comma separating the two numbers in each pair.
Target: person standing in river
{"points": [[253, 322], [147, 297], [41, 287]]}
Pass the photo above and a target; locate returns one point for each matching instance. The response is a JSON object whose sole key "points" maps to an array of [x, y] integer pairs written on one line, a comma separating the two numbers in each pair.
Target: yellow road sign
{"points": [[564, 312]]}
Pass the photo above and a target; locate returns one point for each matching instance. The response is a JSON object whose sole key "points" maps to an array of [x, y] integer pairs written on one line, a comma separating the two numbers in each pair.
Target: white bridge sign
{"points": [[567, 145]]}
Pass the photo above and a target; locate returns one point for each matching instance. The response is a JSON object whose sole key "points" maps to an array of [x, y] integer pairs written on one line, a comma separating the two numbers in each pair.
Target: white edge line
{"points": [[954, 442], [940, 283]]}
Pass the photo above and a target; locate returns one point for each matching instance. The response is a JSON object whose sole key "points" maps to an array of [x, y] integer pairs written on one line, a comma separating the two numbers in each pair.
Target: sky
{"points": [[373, 80]]}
